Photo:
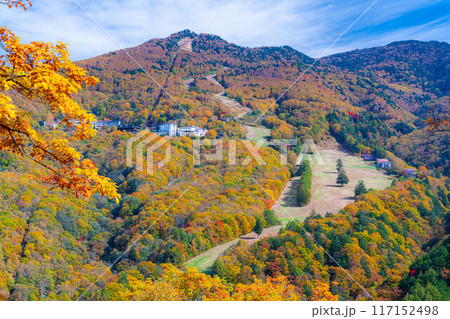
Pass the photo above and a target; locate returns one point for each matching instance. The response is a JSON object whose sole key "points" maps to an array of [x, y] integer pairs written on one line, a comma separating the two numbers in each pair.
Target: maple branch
{"points": [[32, 92], [29, 157], [32, 142]]}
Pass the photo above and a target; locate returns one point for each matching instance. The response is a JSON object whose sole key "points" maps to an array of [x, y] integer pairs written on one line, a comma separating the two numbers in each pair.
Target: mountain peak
{"points": [[184, 33]]}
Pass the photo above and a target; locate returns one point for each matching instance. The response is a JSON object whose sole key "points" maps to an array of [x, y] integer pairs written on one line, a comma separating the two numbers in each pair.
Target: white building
{"points": [[192, 131], [383, 163], [100, 124], [168, 129], [52, 125]]}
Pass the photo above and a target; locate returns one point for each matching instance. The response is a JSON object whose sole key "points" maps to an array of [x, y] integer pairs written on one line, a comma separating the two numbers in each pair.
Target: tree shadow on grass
{"points": [[248, 237]]}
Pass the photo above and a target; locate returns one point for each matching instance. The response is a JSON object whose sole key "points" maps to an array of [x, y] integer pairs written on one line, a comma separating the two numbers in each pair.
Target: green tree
{"points": [[442, 196], [342, 178], [258, 229], [270, 218], [305, 183], [339, 165], [360, 188], [303, 195], [219, 269]]}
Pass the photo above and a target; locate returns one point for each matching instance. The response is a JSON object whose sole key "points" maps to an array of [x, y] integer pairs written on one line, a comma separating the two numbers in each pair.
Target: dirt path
{"points": [[184, 44], [234, 105], [254, 133], [212, 78], [231, 103], [187, 83], [204, 261], [326, 196]]}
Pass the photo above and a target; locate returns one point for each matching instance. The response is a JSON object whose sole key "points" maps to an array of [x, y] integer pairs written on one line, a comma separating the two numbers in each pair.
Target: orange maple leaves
{"points": [[439, 123], [43, 74], [16, 3], [189, 284]]}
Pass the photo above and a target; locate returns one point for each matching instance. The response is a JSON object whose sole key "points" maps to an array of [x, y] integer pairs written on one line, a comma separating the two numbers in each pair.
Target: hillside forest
{"points": [[78, 223]]}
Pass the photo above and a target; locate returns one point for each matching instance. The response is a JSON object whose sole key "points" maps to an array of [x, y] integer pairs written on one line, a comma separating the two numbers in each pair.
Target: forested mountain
{"points": [[402, 83], [412, 64], [374, 239], [54, 246], [399, 84]]}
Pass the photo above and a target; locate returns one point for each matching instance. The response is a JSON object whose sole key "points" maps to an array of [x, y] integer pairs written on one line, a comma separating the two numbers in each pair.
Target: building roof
{"points": [[107, 123], [167, 124], [382, 160], [188, 127], [191, 129]]}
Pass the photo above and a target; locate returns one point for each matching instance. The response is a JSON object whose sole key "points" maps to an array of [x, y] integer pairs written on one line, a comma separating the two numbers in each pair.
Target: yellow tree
{"points": [[43, 74], [440, 123], [322, 293]]}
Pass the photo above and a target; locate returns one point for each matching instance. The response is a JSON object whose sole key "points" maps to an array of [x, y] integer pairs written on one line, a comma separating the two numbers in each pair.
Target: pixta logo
{"points": [[310, 150], [252, 149], [142, 147], [147, 143]]}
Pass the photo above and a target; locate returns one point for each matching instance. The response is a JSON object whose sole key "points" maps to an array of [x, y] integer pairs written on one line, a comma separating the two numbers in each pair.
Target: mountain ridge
{"points": [[400, 83], [57, 247], [190, 33]]}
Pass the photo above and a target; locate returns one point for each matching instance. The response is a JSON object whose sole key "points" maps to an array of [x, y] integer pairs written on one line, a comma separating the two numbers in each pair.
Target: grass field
{"points": [[288, 219], [204, 261], [255, 133], [326, 195]]}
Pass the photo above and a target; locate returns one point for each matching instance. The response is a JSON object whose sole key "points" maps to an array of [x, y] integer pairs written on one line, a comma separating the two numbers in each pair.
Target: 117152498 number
{"points": [[385, 310]]}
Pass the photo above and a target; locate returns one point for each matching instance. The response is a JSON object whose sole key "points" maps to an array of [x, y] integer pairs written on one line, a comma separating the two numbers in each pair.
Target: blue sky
{"points": [[309, 26]]}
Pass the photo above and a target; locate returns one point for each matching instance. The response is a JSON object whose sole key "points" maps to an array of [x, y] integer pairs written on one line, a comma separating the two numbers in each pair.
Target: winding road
{"points": [[326, 196]]}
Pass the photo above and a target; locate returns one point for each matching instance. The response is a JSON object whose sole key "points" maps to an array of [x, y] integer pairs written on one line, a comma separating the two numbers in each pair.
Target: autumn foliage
{"points": [[42, 74], [58, 245]]}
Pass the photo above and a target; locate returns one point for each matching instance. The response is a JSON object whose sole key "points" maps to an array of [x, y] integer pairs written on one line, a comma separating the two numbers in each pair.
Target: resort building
{"points": [[383, 163], [410, 172], [169, 129], [100, 124], [192, 131]]}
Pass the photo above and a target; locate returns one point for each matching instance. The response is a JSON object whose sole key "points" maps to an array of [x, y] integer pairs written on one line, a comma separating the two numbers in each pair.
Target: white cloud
{"points": [[309, 26]]}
